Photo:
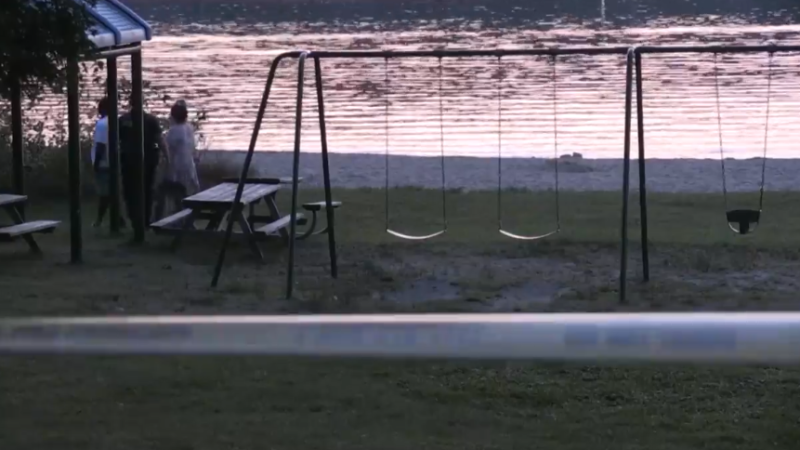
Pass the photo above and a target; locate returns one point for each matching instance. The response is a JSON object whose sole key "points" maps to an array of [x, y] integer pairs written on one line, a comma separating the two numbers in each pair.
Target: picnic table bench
{"points": [[313, 207], [213, 204], [12, 204]]}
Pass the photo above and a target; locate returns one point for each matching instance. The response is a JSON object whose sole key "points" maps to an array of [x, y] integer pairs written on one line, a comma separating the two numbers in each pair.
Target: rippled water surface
{"points": [[216, 54]]}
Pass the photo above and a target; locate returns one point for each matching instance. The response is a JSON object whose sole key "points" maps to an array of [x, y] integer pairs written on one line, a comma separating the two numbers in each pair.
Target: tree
{"points": [[37, 38]]}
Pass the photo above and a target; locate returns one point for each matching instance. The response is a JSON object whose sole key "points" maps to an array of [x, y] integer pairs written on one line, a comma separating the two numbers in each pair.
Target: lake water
{"points": [[217, 53]]}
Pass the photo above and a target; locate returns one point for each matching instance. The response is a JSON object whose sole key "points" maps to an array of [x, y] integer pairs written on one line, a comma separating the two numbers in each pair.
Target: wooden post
{"points": [[17, 145], [137, 158], [74, 157], [113, 142]]}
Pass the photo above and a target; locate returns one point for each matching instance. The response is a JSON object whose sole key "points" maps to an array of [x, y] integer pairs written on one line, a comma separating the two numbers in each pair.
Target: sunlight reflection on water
{"points": [[217, 54]]}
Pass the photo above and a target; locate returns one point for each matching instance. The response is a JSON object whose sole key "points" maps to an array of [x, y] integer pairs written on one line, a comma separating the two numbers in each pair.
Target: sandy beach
{"points": [[575, 174]]}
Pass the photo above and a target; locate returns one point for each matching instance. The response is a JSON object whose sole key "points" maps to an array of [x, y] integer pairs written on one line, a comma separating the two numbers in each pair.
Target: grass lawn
{"points": [[200, 403]]}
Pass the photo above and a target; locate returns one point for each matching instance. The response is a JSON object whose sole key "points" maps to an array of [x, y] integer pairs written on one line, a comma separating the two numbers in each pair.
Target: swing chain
{"points": [[500, 142], [441, 144], [386, 132], [719, 130], [766, 132], [555, 138]]}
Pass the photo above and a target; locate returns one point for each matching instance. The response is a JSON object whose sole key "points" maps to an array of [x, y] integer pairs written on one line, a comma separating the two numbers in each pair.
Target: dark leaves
{"points": [[37, 38]]}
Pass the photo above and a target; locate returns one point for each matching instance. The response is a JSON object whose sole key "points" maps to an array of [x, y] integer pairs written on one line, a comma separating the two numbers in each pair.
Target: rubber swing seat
{"points": [[743, 221]]}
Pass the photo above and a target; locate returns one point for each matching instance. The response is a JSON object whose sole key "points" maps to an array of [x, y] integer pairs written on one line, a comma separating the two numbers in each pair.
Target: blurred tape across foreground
{"points": [[745, 338]]}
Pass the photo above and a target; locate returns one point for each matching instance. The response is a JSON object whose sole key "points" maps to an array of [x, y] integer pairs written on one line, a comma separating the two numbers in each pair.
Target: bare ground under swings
{"points": [[224, 403]]}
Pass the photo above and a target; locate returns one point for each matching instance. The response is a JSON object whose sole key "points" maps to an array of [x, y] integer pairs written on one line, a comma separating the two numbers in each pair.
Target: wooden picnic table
{"points": [[12, 204], [214, 203]]}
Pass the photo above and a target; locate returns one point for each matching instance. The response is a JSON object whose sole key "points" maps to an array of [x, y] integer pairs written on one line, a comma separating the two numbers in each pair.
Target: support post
{"points": [[74, 161], [326, 173], [626, 171], [642, 177], [298, 128], [113, 142], [248, 159], [137, 158], [17, 144]]}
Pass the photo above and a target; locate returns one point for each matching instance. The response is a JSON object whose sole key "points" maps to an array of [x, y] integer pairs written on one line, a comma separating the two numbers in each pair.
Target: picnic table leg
{"points": [[16, 216], [248, 233], [215, 222], [252, 214], [187, 223], [309, 231], [276, 214]]}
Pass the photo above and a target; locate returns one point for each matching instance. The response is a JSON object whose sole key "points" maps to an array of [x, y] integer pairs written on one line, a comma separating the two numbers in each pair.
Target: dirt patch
{"points": [[424, 291], [775, 278], [528, 296], [480, 283], [587, 281], [524, 297]]}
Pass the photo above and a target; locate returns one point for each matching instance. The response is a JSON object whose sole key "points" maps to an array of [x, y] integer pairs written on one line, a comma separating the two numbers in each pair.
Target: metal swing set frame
{"points": [[317, 57], [633, 62]]}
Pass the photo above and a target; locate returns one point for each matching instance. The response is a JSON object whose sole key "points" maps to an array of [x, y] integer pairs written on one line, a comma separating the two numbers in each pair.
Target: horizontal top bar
{"points": [[771, 48], [552, 51], [459, 53], [113, 52]]}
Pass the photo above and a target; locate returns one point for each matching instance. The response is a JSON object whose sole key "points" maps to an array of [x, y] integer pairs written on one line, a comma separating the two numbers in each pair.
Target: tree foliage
{"points": [[37, 37]]}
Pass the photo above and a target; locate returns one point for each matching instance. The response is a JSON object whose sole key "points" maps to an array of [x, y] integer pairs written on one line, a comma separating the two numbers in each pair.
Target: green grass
{"points": [[281, 403]]}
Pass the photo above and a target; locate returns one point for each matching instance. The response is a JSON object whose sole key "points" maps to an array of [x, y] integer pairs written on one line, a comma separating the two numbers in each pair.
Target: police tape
{"points": [[670, 337]]}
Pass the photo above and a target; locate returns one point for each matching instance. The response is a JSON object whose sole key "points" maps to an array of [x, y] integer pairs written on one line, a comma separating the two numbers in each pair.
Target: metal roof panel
{"points": [[117, 20]]}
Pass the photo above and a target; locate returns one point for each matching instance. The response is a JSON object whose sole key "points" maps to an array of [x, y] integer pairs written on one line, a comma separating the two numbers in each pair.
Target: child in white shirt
{"points": [[100, 162]]}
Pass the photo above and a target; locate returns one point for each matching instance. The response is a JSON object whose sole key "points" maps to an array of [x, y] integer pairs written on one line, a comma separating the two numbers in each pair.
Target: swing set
{"points": [[500, 227], [317, 57], [741, 221]]}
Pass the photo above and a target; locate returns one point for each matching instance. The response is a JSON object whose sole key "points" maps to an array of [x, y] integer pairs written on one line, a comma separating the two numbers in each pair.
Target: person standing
{"points": [[154, 144], [100, 164], [179, 179]]}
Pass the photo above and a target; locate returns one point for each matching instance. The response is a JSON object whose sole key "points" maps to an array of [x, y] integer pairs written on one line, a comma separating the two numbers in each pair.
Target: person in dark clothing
{"points": [[154, 144]]}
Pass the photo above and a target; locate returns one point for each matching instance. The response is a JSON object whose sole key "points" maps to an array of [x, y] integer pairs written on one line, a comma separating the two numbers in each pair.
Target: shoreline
{"points": [[366, 170]]}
